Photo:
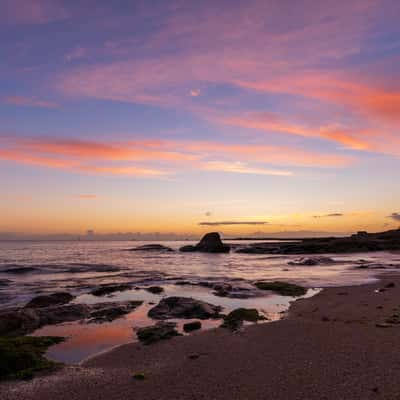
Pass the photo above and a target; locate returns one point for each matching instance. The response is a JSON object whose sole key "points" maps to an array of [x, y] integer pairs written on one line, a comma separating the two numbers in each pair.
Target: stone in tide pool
{"points": [[282, 288], [160, 331], [184, 307], [104, 290], [155, 289], [234, 320], [210, 243]]}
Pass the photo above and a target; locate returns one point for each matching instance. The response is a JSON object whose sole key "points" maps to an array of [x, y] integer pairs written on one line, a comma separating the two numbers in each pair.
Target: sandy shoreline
{"points": [[329, 347]]}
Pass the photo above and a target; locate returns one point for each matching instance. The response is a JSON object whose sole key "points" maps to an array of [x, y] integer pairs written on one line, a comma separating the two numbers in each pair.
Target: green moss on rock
{"points": [[282, 288], [22, 356]]}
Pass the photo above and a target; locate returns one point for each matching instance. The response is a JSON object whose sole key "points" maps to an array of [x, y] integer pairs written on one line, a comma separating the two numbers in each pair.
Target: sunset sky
{"points": [[191, 116]]}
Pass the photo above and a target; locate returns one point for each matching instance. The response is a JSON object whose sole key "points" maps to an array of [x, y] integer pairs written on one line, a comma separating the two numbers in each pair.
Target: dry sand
{"points": [[328, 348]]}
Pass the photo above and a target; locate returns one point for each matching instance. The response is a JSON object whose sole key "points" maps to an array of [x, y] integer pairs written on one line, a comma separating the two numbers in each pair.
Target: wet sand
{"points": [[329, 347]]}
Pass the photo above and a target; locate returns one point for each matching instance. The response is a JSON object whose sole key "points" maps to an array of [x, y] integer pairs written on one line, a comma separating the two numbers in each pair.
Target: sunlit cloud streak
{"points": [[162, 157], [219, 223], [335, 215]]}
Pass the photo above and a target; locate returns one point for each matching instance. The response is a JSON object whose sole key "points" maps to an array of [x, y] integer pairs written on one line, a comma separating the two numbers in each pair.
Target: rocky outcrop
{"points": [[360, 242], [155, 289], [210, 243], [108, 289], [107, 312], [282, 288], [184, 307], [234, 320], [160, 331], [50, 300], [152, 247], [26, 320], [311, 261]]}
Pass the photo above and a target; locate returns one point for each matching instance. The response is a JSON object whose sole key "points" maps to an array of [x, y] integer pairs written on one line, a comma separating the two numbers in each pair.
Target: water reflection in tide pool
{"points": [[85, 340]]}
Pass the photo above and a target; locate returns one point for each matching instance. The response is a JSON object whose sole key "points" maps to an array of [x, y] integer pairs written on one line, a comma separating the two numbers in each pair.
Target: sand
{"points": [[329, 347]]}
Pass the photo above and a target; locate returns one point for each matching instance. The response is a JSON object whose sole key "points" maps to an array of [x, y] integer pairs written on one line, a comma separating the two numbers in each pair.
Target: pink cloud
{"points": [[159, 158]]}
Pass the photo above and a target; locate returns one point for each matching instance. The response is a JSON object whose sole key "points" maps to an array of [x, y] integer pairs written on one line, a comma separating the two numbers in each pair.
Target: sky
{"points": [[245, 117]]}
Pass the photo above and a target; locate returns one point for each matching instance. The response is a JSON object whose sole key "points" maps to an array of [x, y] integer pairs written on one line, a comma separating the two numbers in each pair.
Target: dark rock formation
{"points": [[26, 320], [160, 331], [152, 247], [282, 288], [360, 242], [155, 289], [192, 326], [108, 289], [106, 312], [210, 243], [18, 322], [234, 320], [184, 307], [50, 300]]}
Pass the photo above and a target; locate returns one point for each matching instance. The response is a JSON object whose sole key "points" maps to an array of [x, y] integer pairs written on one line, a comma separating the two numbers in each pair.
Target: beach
{"points": [[334, 345]]}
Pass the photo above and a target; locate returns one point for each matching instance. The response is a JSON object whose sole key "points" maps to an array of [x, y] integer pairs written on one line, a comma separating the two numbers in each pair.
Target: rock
{"points": [[210, 243], [155, 289], [160, 331], [50, 300], [104, 290], [22, 356], [18, 322], [282, 288], [64, 313], [234, 320], [222, 290], [107, 312], [390, 285], [152, 247], [26, 320], [192, 326], [311, 261], [184, 307]]}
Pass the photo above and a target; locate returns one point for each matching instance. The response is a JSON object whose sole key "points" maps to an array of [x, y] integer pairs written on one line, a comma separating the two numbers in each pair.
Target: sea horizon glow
{"points": [[177, 118]]}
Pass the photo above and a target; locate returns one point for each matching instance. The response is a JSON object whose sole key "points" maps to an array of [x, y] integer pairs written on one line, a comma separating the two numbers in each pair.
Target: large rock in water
{"points": [[50, 300], [210, 243], [184, 307]]}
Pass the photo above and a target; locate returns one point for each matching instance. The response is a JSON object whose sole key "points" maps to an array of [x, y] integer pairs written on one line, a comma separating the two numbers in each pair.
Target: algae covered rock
{"points": [[282, 288], [160, 331], [22, 356]]}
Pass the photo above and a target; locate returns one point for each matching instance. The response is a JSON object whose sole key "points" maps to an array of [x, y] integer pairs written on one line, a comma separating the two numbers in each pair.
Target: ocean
{"points": [[28, 269]]}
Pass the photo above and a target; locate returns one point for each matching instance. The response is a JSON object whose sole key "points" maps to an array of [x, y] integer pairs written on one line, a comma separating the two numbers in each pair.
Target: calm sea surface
{"points": [[31, 268]]}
